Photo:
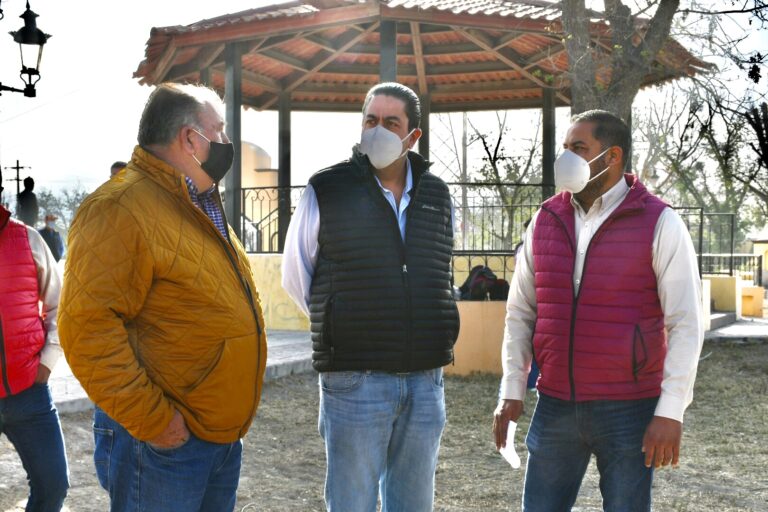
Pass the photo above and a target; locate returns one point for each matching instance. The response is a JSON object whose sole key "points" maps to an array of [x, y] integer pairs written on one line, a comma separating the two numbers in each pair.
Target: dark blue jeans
{"points": [[197, 476], [562, 437], [31, 422]]}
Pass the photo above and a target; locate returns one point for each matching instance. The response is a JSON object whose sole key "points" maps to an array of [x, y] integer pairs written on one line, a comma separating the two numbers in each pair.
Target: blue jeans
{"points": [[31, 422], [382, 433], [561, 439], [197, 476]]}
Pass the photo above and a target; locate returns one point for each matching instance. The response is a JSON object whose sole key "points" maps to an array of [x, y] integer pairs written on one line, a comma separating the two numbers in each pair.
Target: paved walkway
{"points": [[291, 351]]}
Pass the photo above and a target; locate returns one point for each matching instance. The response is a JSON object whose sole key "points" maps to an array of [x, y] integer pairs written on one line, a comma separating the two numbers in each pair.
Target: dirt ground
{"points": [[723, 466]]}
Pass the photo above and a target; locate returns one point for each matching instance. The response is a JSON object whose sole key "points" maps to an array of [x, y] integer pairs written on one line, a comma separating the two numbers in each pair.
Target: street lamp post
{"points": [[31, 41]]}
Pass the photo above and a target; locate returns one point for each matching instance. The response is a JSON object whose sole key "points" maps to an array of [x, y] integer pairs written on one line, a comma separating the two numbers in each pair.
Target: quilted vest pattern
{"points": [[147, 265], [378, 303], [608, 341], [21, 329]]}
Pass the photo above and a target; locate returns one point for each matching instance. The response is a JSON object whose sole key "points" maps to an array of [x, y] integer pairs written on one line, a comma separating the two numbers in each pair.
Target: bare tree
{"points": [[63, 204], [758, 121], [609, 78], [510, 176]]}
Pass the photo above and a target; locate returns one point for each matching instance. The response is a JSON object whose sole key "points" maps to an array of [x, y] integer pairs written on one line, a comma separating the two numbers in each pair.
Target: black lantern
{"points": [[31, 41]]}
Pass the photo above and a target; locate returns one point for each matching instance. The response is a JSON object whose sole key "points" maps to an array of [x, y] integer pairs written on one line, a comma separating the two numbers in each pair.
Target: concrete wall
{"points": [[752, 300], [280, 313], [478, 348], [726, 293], [760, 248]]}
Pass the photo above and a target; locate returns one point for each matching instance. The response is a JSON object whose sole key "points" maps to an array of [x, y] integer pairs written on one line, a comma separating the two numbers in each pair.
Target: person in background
{"points": [[368, 258], [27, 210], [52, 237], [117, 167], [160, 319], [613, 315], [29, 346]]}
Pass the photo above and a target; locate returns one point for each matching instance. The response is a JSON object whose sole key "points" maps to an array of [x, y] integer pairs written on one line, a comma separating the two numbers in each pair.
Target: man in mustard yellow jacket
{"points": [[160, 320]]}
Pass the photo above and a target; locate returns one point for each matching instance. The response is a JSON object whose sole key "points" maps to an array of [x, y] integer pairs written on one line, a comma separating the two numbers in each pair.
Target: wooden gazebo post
{"points": [[233, 97], [284, 166]]}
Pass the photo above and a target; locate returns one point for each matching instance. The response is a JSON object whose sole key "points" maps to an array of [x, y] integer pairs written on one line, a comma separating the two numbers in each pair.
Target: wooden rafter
{"points": [[284, 58], [205, 57], [507, 38], [324, 62], [419, 55], [257, 79], [503, 57], [165, 62], [533, 60]]}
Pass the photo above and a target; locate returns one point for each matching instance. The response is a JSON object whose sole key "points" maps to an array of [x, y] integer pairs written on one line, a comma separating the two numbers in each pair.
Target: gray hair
{"points": [[171, 107]]}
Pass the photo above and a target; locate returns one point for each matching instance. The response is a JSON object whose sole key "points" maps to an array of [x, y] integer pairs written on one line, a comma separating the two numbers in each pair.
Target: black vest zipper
{"points": [[395, 223], [3, 363]]}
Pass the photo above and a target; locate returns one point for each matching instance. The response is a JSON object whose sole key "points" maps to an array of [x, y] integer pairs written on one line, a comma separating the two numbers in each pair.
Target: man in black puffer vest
{"points": [[367, 256]]}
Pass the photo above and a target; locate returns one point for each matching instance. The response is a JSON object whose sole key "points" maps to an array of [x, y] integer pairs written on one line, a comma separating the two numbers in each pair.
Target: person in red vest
{"points": [[29, 349], [612, 315]]}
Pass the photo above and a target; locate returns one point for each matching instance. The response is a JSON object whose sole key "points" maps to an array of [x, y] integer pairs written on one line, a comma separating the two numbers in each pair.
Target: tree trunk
{"points": [[610, 80]]}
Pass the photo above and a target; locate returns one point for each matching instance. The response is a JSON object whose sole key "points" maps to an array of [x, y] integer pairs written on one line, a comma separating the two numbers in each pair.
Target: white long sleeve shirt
{"points": [[301, 245], [49, 289], [679, 288]]}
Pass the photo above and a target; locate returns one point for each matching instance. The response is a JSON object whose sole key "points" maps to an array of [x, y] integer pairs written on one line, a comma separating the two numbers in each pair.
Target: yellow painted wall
{"points": [[478, 348], [725, 292], [280, 313], [752, 300]]}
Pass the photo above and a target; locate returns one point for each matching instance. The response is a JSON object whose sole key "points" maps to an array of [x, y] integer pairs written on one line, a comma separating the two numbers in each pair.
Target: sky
{"points": [[88, 106]]}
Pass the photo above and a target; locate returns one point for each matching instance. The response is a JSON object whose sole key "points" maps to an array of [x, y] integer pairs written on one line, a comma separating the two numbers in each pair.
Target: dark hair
{"points": [[118, 165], [169, 108], [609, 129], [401, 92], [29, 183]]}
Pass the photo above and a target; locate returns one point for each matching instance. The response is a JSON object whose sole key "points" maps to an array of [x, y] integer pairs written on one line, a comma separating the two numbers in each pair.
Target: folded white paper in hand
{"points": [[508, 452]]}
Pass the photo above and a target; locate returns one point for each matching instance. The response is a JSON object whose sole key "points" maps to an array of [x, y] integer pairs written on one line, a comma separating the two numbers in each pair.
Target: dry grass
{"points": [[723, 468]]}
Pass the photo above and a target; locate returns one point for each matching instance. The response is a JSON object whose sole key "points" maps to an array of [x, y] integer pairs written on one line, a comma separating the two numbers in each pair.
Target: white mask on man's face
{"points": [[572, 171], [382, 146]]}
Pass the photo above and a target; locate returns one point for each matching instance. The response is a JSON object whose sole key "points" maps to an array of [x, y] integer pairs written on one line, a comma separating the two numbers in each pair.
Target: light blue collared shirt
{"points": [[301, 245]]}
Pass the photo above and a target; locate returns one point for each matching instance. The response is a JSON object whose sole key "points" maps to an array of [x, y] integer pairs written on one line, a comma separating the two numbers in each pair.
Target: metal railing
{"points": [[748, 267], [489, 223], [261, 222]]}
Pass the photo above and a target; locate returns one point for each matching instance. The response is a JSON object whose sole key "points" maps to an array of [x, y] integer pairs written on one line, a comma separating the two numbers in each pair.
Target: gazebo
{"points": [[323, 55]]}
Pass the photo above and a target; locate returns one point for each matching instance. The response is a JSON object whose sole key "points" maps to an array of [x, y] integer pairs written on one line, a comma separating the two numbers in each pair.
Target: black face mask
{"points": [[220, 157]]}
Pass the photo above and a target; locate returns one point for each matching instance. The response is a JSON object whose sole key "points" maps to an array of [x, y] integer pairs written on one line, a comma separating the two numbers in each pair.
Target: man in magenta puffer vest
{"points": [[29, 350], [606, 298]]}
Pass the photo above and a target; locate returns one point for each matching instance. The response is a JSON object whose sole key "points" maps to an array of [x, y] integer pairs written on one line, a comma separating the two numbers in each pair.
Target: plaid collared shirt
{"points": [[207, 204]]}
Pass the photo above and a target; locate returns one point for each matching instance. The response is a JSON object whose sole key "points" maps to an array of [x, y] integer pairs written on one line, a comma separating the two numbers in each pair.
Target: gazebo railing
{"points": [[489, 222]]}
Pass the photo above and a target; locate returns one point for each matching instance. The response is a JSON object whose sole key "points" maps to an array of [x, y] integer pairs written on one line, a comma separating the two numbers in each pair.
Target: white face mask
{"points": [[50, 224], [382, 146], [572, 171]]}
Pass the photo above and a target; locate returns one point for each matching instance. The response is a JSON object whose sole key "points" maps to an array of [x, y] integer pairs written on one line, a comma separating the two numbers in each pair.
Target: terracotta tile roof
{"points": [[468, 54]]}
